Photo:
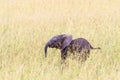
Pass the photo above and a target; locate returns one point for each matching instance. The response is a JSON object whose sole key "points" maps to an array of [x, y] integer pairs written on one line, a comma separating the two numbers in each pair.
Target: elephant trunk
{"points": [[45, 49]]}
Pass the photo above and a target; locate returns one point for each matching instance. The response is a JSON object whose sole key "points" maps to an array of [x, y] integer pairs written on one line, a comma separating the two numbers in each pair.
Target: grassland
{"points": [[26, 25]]}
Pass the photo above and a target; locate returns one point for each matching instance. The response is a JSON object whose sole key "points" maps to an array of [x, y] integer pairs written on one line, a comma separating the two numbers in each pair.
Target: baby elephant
{"points": [[65, 43]]}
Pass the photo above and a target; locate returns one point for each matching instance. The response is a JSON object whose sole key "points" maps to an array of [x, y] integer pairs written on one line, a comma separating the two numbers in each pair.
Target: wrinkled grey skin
{"points": [[58, 42], [65, 43], [80, 46]]}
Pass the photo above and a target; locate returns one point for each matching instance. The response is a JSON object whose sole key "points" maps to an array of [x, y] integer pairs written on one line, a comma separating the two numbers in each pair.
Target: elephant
{"points": [[66, 44]]}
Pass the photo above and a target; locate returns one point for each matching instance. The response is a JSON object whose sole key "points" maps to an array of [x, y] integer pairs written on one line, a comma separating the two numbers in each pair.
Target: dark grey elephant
{"points": [[65, 43]]}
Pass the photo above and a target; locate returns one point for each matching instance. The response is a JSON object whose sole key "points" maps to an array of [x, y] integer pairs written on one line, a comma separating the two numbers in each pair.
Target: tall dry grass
{"points": [[26, 25]]}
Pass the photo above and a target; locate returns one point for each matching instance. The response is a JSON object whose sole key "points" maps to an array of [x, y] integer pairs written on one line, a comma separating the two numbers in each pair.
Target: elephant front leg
{"points": [[63, 55]]}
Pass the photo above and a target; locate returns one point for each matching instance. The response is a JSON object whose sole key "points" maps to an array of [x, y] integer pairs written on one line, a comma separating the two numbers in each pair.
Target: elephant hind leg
{"points": [[86, 55]]}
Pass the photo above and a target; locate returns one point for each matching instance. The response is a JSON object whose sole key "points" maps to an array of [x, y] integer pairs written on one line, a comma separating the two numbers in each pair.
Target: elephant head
{"points": [[58, 42]]}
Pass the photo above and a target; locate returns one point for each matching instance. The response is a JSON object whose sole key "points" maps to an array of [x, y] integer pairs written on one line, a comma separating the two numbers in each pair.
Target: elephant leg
{"points": [[86, 55], [63, 54]]}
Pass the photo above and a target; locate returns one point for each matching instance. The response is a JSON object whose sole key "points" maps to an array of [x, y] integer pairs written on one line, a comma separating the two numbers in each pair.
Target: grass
{"points": [[26, 26]]}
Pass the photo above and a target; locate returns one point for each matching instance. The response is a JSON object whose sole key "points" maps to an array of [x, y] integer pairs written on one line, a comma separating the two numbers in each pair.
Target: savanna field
{"points": [[27, 25]]}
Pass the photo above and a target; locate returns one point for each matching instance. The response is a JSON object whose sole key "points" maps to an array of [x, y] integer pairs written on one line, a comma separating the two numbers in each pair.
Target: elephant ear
{"points": [[66, 41]]}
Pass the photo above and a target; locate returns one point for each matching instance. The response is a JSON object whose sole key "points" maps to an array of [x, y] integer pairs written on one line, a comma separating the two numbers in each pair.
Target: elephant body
{"points": [[80, 46]]}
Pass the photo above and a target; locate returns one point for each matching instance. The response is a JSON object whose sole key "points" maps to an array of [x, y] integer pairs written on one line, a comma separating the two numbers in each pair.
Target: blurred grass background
{"points": [[26, 26]]}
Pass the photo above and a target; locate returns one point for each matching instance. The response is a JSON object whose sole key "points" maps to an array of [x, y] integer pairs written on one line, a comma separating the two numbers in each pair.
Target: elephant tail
{"points": [[94, 48]]}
